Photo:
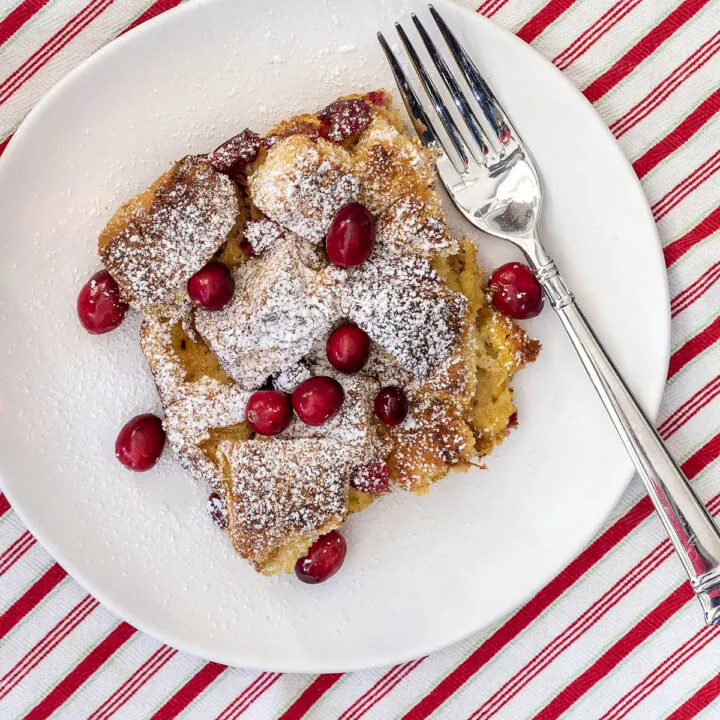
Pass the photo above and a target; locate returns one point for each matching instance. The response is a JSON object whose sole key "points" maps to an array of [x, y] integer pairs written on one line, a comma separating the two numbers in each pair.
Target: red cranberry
{"points": [[345, 118], [216, 510], [317, 399], [391, 405], [372, 477], [235, 154], [140, 443], [516, 291], [268, 412], [378, 97], [323, 559], [99, 306], [348, 348], [513, 420], [351, 236], [211, 287], [247, 248]]}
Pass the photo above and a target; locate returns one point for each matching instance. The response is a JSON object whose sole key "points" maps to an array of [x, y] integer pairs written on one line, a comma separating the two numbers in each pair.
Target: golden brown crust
{"points": [[281, 494], [159, 239], [284, 494]]}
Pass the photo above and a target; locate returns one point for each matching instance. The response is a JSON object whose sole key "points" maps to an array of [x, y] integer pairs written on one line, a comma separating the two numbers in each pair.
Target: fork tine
{"points": [[486, 99], [456, 93], [437, 102], [421, 122]]}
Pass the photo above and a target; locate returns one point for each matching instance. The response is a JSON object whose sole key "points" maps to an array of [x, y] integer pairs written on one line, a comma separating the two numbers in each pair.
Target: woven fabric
{"points": [[618, 633]]}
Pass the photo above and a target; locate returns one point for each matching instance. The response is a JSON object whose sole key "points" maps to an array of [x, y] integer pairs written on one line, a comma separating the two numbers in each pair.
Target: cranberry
{"points": [[351, 236], [317, 399], [140, 443], [345, 118], [391, 405], [235, 154], [323, 559], [372, 477], [247, 248], [378, 97], [211, 287], [268, 412], [348, 348], [513, 420], [516, 291], [99, 306], [216, 510]]}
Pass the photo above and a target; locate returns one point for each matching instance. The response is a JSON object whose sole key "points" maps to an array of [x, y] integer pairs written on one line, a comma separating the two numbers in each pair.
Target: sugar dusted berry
{"points": [[140, 442], [268, 412], [348, 348], [391, 405], [345, 118], [371, 477], [216, 510], [516, 291], [351, 236], [378, 97], [323, 559], [235, 154], [211, 287], [317, 399], [99, 305]]}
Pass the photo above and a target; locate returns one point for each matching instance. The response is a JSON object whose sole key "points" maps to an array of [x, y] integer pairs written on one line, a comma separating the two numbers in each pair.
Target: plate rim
{"points": [[75, 571]]}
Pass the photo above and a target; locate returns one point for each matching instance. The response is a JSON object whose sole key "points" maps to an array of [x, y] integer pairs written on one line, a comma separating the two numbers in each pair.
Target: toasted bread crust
{"points": [[420, 297]]}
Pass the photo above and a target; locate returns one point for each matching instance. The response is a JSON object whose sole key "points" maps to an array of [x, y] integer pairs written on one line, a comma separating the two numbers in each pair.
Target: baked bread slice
{"points": [[159, 239], [420, 297]]}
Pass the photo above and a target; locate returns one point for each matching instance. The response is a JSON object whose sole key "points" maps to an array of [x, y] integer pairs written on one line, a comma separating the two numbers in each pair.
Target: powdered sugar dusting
{"points": [[153, 251], [303, 183], [284, 488], [432, 439], [390, 165], [157, 346], [412, 225], [278, 311], [263, 234], [192, 409], [353, 427], [407, 309], [290, 377]]}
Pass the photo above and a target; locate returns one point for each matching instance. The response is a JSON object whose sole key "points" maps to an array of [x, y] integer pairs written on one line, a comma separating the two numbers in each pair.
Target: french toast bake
{"points": [[431, 392]]}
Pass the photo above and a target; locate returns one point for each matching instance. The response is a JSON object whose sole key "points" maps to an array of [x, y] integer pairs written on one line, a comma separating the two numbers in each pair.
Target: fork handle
{"points": [[691, 529]]}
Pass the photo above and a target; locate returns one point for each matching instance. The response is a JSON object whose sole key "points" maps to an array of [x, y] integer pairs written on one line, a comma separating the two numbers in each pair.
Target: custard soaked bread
{"points": [[430, 391], [158, 240]]}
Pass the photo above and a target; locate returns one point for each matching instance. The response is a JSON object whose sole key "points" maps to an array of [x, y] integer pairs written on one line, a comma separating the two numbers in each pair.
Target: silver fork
{"points": [[494, 183]]}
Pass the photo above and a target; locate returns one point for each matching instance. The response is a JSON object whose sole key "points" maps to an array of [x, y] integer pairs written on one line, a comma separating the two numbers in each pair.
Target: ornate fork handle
{"points": [[502, 195], [688, 524]]}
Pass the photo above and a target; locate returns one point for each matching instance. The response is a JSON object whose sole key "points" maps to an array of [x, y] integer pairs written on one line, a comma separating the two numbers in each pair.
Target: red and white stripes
{"points": [[697, 289], [661, 673], [146, 671], [687, 186], [666, 119], [598, 29], [664, 89], [13, 553], [56, 43], [261, 684]]}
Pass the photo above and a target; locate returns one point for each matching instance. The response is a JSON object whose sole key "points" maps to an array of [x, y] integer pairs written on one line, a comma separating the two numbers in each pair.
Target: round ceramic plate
{"points": [[421, 572]]}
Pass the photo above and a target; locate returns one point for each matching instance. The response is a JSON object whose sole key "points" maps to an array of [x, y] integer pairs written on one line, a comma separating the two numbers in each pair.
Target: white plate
{"points": [[421, 572]]}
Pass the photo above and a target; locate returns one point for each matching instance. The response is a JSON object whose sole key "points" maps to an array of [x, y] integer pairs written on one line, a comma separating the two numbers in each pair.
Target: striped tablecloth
{"points": [[617, 634]]}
